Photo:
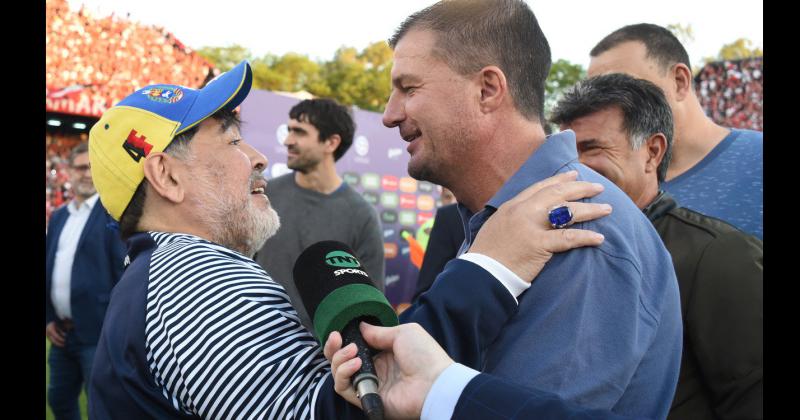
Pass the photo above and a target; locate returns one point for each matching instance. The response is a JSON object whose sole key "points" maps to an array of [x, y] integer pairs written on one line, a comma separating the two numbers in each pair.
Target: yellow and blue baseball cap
{"points": [[145, 122]]}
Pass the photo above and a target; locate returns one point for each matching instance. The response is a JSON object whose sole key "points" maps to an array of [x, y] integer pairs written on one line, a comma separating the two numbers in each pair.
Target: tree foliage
{"points": [[741, 48], [563, 75], [352, 77], [225, 58]]}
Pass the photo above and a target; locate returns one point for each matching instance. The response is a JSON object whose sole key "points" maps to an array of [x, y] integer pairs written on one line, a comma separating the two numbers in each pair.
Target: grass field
{"points": [[82, 402]]}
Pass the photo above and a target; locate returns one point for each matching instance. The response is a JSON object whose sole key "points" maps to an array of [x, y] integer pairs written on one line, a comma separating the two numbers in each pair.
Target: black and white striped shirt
{"points": [[222, 339]]}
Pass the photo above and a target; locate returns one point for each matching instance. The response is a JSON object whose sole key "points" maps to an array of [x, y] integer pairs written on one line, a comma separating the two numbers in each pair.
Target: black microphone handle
{"points": [[365, 381]]}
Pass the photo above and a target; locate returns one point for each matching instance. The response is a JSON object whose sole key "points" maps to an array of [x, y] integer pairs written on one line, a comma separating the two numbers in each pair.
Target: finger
{"points": [[568, 191], [548, 182], [343, 374], [343, 356], [380, 338], [333, 345], [57, 341], [560, 240], [582, 212]]}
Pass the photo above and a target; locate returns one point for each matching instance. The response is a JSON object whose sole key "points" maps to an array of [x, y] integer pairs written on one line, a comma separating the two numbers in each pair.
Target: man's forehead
{"points": [[301, 121], [603, 120], [415, 46], [628, 57]]}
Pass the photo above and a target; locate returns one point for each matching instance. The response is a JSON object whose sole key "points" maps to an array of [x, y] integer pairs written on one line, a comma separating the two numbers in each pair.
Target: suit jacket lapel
{"points": [[97, 212]]}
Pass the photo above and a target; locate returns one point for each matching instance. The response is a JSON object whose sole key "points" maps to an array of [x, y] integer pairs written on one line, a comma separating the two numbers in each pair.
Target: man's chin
{"points": [[420, 172]]}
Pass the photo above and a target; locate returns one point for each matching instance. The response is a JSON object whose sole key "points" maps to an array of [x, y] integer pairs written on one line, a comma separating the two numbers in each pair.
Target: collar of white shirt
{"points": [[73, 208]]}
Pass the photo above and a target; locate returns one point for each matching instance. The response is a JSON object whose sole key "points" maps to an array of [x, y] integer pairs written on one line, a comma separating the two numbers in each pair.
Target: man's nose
{"points": [[257, 159], [394, 113]]}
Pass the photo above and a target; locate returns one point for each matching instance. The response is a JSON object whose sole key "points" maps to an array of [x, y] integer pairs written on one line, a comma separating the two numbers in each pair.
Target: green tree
{"points": [[741, 48], [225, 58], [361, 79], [563, 75], [351, 77]]}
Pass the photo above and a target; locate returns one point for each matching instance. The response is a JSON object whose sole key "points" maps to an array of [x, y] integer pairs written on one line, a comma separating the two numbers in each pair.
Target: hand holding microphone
{"points": [[338, 295]]}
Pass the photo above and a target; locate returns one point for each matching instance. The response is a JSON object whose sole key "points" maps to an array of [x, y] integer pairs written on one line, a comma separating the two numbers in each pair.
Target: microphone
{"points": [[338, 295]]}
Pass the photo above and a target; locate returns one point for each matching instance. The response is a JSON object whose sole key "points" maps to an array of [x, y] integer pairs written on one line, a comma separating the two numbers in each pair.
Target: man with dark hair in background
{"points": [[714, 170], [600, 326], [84, 260], [624, 128], [314, 204]]}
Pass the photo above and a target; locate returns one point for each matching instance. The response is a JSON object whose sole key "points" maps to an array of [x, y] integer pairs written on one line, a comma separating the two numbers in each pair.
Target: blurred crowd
{"points": [[731, 92], [57, 188], [107, 56]]}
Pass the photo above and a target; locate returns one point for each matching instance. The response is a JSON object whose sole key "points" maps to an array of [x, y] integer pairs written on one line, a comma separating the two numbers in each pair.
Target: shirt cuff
{"points": [[446, 390], [512, 282]]}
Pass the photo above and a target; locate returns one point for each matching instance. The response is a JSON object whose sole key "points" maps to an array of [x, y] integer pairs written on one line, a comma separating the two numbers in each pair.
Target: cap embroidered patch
{"points": [[164, 94], [137, 146]]}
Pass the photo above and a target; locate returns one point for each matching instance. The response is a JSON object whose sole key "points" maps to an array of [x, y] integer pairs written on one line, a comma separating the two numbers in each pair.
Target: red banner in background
{"points": [[76, 100]]}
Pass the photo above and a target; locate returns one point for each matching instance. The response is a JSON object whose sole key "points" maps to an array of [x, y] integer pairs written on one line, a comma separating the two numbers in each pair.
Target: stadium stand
{"points": [[731, 92], [104, 57], [94, 62]]}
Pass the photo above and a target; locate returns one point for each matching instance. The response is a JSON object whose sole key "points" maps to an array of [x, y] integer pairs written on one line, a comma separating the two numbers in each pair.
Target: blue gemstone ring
{"points": [[560, 216]]}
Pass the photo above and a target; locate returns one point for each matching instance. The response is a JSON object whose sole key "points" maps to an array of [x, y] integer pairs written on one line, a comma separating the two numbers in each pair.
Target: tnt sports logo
{"points": [[137, 146], [164, 94], [341, 259], [349, 271]]}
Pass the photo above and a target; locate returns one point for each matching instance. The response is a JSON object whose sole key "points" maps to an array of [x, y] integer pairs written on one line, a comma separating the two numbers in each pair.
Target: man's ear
{"points": [[656, 147], [494, 88], [166, 175], [333, 142], [682, 76]]}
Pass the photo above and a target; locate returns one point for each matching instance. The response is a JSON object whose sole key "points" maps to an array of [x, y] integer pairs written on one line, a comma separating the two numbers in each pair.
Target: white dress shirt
{"points": [[65, 254]]}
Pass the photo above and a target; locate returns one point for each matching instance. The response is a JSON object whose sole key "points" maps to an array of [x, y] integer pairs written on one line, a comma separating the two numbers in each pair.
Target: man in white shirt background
{"points": [[84, 260]]}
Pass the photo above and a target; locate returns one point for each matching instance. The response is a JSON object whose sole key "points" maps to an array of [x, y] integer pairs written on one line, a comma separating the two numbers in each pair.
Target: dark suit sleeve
{"points": [[446, 237], [488, 397], [464, 311], [330, 405], [724, 322]]}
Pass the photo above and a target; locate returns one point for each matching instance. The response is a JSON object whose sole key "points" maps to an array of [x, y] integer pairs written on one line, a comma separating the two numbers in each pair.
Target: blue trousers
{"points": [[70, 367]]}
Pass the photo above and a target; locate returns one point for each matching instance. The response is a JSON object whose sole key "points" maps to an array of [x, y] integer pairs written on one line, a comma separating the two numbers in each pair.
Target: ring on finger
{"points": [[560, 216]]}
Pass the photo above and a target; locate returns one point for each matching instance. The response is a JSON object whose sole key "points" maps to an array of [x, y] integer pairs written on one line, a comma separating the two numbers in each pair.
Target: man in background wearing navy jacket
{"points": [[84, 262]]}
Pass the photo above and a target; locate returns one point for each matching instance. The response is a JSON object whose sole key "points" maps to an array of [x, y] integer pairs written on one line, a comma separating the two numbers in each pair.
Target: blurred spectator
{"points": [[731, 92], [57, 185], [109, 57]]}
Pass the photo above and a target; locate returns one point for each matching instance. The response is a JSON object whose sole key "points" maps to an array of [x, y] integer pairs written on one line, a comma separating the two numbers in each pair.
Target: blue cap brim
{"points": [[226, 91]]}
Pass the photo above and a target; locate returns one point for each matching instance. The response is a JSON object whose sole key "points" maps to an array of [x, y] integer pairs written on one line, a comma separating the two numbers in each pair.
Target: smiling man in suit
{"points": [[84, 262]]}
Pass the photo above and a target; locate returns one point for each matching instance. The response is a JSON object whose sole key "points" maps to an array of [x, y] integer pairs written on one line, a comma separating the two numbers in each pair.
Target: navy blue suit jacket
{"points": [[488, 397], [98, 265]]}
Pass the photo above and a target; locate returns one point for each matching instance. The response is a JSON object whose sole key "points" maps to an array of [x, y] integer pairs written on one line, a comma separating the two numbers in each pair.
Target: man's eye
{"points": [[235, 142]]}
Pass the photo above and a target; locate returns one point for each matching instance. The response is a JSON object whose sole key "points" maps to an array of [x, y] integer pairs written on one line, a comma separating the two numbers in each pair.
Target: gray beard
{"points": [[238, 226]]}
